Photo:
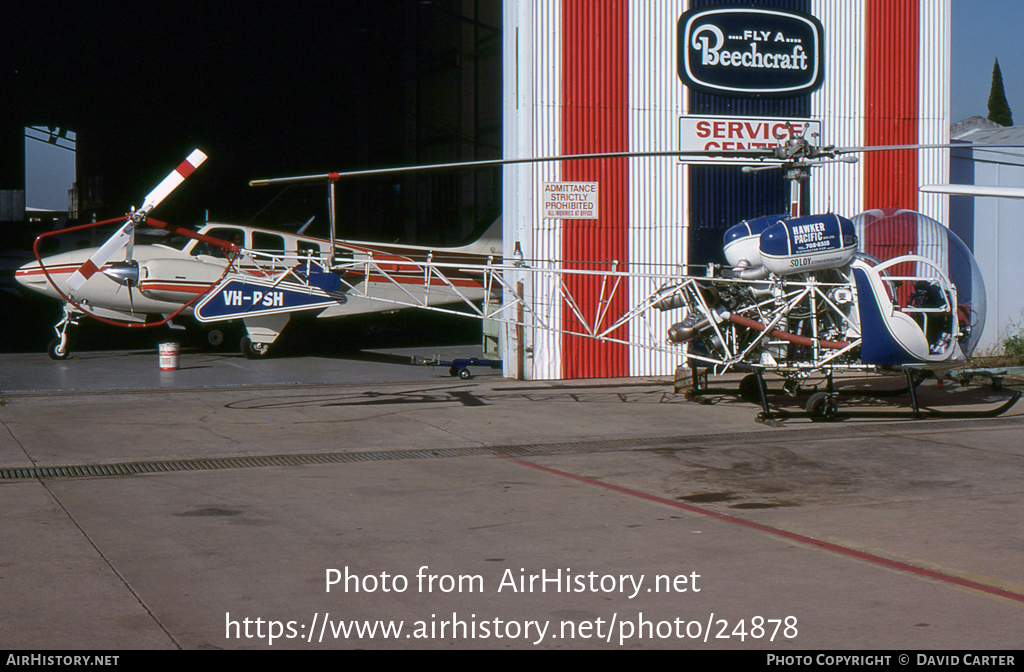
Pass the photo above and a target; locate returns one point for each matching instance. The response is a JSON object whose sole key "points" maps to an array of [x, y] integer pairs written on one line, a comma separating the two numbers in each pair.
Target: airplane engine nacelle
{"points": [[807, 244], [178, 280], [742, 242]]}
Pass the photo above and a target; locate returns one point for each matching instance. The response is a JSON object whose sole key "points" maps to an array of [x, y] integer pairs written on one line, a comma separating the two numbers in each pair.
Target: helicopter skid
{"points": [[923, 413], [822, 402]]}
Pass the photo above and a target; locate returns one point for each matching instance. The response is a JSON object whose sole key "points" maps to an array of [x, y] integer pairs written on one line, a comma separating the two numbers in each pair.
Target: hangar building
{"points": [[993, 227], [584, 76]]}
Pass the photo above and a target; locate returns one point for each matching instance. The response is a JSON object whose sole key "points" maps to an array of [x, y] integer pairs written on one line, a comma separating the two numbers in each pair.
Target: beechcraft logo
{"points": [[750, 52]]}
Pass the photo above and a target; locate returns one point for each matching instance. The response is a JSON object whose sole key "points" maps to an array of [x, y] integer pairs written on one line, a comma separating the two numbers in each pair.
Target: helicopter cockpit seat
{"points": [[889, 336]]}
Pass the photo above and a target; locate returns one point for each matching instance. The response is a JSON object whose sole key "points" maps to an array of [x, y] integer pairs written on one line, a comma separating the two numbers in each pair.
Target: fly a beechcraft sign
{"points": [[750, 52]]}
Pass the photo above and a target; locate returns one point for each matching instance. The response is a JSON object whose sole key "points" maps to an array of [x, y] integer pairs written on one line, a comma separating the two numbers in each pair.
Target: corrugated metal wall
{"points": [[595, 99], [891, 93], [657, 187], [532, 127], [839, 103], [599, 75], [933, 106]]}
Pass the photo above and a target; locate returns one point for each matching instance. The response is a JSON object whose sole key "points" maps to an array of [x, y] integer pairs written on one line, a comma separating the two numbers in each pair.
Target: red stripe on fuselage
{"points": [[52, 270]]}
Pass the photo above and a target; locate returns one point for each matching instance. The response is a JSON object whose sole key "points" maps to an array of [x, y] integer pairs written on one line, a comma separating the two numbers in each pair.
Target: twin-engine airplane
{"points": [[227, 272], [884, 292]]}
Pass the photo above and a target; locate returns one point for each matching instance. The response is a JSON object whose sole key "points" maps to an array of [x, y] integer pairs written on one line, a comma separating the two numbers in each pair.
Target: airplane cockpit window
{"points": [[236, 236]]}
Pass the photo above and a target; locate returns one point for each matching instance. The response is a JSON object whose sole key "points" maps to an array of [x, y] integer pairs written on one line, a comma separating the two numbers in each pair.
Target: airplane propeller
{"points": [[125, 273], [124, 235]]}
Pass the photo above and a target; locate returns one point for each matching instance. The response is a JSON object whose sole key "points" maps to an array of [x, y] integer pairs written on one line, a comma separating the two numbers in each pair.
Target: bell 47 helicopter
{"points": [[885, 292]]}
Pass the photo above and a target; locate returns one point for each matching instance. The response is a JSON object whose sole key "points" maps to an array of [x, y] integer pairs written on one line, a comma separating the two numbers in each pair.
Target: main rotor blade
{"points": [[101, 256], [171, 182], [754, 154], [124, 234], [973, 190], [947, 145]]}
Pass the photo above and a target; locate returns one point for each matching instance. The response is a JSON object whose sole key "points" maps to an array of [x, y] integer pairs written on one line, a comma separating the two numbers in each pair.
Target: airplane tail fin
{"points": [[487, 244]]}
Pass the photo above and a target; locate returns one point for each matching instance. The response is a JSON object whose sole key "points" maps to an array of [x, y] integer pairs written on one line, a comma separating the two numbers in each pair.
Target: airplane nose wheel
{"points": [[822, 407], [58, 349]]}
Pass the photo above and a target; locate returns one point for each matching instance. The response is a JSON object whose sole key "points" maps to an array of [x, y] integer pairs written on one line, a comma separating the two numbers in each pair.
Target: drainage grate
{"points": [[208, 464], [818, 433]]}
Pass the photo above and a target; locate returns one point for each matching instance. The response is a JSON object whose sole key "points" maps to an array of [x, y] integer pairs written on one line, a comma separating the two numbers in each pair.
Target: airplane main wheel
{"points": [[214, 337], [822, 407], [253, 350], [56, 352]]}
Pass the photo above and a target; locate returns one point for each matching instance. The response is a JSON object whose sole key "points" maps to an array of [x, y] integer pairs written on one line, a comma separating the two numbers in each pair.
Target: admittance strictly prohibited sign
{"points": [[570, 200]]}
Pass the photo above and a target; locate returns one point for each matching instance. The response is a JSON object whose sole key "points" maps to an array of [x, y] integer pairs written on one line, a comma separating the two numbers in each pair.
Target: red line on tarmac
{"points": [[810, 541]]}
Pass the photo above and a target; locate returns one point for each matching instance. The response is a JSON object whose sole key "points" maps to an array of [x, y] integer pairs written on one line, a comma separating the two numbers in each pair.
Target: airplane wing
{"points": [[973, 190]]}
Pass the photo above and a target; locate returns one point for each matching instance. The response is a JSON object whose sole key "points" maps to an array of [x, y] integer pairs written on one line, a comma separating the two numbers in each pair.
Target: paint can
{"points": [[169, 356]]}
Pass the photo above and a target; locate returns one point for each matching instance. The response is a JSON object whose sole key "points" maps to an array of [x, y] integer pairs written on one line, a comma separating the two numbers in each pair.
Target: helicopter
{"points": [[799, 294], [888, 291]]}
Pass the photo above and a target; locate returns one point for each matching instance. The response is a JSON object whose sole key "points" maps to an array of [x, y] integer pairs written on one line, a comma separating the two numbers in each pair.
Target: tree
{"points": [[998, 108]]}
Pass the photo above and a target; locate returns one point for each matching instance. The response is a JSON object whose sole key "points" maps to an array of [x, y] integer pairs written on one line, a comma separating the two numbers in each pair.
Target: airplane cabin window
{"points": [[306, 249], [267, 242]]}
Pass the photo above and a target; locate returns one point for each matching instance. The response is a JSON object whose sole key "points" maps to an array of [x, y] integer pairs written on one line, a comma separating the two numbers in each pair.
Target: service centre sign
{"points": [[750, 52], [570, 200], [699, 133]]}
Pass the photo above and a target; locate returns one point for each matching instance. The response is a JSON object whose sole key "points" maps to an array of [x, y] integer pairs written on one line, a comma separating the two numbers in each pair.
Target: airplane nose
{"points": [[30, 275], [22, 273]]}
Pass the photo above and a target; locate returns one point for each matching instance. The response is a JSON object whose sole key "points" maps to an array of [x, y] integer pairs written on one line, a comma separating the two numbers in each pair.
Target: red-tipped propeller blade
{"points": [[124, 234]]}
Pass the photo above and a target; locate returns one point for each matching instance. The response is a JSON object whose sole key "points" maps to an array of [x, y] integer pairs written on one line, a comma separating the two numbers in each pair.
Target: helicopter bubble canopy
{"points": [[885, 234]]}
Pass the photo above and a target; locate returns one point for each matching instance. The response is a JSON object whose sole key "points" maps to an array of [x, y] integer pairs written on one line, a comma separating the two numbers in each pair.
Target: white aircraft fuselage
{"points": [[170, 276]]}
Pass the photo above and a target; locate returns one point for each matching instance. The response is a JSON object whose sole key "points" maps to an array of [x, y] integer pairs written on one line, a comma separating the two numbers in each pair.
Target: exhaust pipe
{"points": [[673, 301], [688, 328]]}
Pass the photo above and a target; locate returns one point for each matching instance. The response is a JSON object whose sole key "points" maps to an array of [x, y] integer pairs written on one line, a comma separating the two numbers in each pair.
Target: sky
{"points": [[982, 31], [49, 173]]}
